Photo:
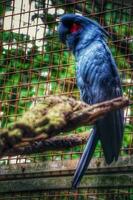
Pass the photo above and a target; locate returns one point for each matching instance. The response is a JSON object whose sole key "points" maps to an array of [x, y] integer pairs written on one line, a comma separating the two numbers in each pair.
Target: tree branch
{"points": [[56, 143], [51, 116]]}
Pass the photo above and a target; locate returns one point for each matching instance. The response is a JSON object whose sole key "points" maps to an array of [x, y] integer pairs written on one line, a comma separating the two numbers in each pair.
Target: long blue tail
{"points": [[109, 130], [85, 158]]}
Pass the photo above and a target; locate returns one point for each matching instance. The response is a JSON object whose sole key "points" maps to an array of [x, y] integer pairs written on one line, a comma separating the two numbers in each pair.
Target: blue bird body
{"points": [[98, 81]]}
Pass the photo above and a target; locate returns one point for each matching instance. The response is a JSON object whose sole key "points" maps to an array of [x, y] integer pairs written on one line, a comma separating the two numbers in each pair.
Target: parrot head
{"points": [[75, 29]]}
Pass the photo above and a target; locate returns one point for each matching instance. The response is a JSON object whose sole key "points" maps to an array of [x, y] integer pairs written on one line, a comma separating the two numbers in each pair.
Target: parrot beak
{"points": [[63, 32]]}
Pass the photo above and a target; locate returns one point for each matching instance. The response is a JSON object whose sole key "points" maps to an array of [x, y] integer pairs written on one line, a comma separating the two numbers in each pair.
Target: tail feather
{"points": [[110, 129], [120, 126], [85, 158], [110, 132]]}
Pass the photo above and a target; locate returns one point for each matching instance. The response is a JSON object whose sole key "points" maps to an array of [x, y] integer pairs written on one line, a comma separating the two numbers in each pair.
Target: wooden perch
{"points": [[56, 143], [51, 116]]}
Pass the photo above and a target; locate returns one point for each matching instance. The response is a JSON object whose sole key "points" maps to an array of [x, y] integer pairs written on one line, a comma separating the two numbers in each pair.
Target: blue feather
{"points": [[86, 157], [98, 81]]}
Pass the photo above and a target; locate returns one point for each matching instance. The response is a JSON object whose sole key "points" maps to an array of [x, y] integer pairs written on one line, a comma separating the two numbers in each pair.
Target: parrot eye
{"points": [[75, 27]]}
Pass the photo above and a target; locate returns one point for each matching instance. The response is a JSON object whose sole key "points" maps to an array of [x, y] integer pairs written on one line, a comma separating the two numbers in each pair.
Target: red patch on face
{"points": [[75, 27]]}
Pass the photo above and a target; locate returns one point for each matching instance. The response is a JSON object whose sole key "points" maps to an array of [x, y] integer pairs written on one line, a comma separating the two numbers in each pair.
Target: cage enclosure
{"points": [[34, 64]]}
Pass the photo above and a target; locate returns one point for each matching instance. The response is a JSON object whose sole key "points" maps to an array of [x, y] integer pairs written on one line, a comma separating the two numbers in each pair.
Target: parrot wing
{"points": [[98, 81], [101, 82]]}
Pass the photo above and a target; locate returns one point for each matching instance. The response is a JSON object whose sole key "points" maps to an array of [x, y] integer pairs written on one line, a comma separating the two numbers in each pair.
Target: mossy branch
{"points": [[51, 116], [56, 143]]}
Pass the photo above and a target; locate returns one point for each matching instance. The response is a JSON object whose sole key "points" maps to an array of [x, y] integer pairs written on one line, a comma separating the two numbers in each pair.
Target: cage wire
{"points": [[33, 63]]}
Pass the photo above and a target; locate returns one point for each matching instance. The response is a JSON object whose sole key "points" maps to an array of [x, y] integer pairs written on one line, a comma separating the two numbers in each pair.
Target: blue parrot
{"points": [[98, 81]]}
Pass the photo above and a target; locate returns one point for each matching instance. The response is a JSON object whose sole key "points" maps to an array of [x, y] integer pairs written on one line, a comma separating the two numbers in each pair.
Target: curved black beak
{"points": [[63, 31]]}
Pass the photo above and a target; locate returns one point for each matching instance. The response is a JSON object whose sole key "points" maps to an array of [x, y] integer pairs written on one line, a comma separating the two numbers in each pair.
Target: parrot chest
{"points": [[93, 74]]}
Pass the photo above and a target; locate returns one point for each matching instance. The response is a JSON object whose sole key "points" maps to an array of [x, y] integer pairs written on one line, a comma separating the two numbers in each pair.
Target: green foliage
{"points": [[128, 135], [16, 62], [9, 36]]}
